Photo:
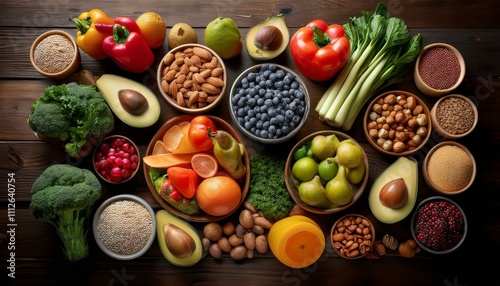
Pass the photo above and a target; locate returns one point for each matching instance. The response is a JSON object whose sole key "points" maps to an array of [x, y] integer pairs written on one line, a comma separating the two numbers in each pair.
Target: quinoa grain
{"points": [[54, 54], [455, 115]]}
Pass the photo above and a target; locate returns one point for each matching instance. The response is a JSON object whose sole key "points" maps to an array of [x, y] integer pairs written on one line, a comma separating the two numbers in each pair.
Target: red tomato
{"points": [[204, 120], [185, 180], [199, 130]]}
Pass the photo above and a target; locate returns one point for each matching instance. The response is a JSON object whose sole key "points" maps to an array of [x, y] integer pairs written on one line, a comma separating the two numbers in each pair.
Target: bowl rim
{"points": [[425, 173], [289, 177], [96, 149], [443, 132], [372, 232], [202, 217], [420, 83], [253, 137], [404, 153], [119, 198], [74, 61], [414, 217], [171, 101]]}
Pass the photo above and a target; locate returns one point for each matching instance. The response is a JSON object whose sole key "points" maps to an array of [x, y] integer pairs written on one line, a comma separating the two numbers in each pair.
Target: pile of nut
{"points": [[406, 249], [193, 77], [397, 123], [240, 241], [352, 236]]}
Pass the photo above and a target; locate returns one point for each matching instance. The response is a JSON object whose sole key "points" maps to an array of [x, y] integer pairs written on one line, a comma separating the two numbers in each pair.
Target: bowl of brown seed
{"points": [[55, 55], [454, 116], [192, 78]]}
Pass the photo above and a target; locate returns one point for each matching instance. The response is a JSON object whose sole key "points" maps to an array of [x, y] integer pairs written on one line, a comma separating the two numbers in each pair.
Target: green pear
{"points": [[324, 146], [349, 154], [312, 193], [327, 169], [355, 175], [338, 190]]}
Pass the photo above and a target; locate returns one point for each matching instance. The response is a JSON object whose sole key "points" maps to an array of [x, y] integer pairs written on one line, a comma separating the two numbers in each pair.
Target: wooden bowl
{"points": [[200, 217], [341, 247], [435, 187], [292, 184], [373, 140], [171, 98], [423, 86], [444, 132]]}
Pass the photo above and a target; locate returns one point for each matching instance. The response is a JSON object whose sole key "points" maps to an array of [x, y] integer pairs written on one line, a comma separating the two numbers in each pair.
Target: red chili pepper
{"points": [[125, 21], [320, 50], [128, 50]]}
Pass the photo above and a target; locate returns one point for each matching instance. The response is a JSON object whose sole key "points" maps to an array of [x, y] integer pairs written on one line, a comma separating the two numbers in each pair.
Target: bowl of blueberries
{"points": [[269, 103]]}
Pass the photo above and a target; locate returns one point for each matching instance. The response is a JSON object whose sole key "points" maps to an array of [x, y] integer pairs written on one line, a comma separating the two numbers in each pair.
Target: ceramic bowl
{"points": [[73, 63], [292, 184], [421, 237], [169, 71], [116, 159], [130, 211], [440, 123], [452, 165], [201, 216], [377, 140], [425, 87], [275, 117], [341, 227]]}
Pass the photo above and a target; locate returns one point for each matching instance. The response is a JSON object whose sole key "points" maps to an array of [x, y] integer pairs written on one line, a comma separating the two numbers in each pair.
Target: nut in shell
{"points": [[390, 242]]}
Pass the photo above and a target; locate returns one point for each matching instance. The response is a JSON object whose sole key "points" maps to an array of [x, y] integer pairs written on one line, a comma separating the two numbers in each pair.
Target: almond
{"points": [[202, 53], [210, 89], [238, 253], [169, 58], [216, 72], [215, 81], [206, 73], [262, 221], [246, 219]]}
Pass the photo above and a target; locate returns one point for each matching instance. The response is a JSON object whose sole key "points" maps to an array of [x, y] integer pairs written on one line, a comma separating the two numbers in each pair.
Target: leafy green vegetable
{"points": [[382, 53], [64, 195], [71, 113], [267, 191]]}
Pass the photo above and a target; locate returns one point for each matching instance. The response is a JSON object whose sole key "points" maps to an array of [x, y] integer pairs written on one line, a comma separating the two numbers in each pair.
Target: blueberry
{"points": [[260, 101], [273, 67], [271, 112], [295, 85], [252, 121], [247, 125], [264, 67], [240, 112], [250, 77], [272, 129], [296, 119], [258, 125], [265, 117], [285, 129], [276, 100], [280, 74], [278, 85], [264, 133], [280, 118], [273, 77]]}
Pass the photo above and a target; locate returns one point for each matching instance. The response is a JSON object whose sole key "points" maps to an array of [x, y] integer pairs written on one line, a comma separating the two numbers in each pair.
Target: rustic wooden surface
{"points": [[471, 26]]}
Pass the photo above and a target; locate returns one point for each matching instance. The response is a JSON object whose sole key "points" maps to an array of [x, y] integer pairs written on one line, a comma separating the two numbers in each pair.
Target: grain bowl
{"points": [[293, 183], [197, 216], [449, 168], [439, 69], [55, 55], [352, 236], [116, 159], [439, 225], [124, 227], [269, 103], [397, 123], [192, 78], [454, 116]]}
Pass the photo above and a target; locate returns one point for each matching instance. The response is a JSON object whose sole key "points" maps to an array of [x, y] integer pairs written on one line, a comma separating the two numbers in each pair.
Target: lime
{"points": [[327, 169], [305, 169]]}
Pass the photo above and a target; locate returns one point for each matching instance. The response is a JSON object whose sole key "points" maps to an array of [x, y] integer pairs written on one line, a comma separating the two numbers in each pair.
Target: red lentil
{"points": [[439, 68], [455, 115], [54, 54]]}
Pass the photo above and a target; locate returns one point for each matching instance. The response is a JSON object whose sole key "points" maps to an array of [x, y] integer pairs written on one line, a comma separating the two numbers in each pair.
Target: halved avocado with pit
{"points": [[132, 102], [268, 39]]}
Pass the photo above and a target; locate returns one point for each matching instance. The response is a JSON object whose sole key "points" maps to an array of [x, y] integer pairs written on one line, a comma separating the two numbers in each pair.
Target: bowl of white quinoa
{"points": [[124, 227]]}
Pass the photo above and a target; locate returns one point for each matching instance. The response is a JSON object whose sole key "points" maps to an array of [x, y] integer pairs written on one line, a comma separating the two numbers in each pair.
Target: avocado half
{"points": [[405, 168], [257, 53], [112, 86]]}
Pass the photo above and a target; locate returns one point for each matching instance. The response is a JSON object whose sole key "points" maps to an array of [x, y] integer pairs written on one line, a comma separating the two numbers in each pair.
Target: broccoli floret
{"points": [[64, 196], [267, 191], [47, 119]]}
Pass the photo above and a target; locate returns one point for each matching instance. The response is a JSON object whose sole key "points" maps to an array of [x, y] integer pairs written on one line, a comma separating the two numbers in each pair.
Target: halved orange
{"points": [[204, 164]]}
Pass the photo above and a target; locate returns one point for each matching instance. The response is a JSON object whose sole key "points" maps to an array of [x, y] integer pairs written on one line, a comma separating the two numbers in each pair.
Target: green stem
{"points": [[70, 228], [83, 25], [320, 39]]}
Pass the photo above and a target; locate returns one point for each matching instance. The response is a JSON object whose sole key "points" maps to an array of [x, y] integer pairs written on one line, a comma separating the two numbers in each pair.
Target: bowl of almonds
{"points": [[397, 123], [192, 78], [352, 236]]}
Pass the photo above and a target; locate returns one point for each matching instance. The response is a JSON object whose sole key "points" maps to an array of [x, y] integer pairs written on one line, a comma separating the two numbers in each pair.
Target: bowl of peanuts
{"points": [[352, 236], [397, 123], [192, 78]]}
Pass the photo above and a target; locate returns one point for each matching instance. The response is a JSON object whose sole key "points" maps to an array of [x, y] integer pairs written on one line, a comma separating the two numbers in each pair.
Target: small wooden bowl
{"points": [[200, 217], [373, 142], [424, 87], [440, 129], [340, 247], [292, 184], [171, 99], [428, 179]]}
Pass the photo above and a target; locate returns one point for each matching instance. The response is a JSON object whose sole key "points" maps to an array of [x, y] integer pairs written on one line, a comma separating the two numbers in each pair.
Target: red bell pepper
{"points": [[125, 21], [320, 50], [128, 50]]}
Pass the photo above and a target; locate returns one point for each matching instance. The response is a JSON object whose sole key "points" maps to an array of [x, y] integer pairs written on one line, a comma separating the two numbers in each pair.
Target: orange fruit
{"points": [[176, 139], [153, 29], [168, 160], [204, 164], [218, 195], [159, 148]]}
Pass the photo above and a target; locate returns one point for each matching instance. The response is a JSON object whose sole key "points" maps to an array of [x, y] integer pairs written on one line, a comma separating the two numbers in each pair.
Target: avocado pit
{"points": [[178, 242], [394, 194], [268, 38], [133, 101]]}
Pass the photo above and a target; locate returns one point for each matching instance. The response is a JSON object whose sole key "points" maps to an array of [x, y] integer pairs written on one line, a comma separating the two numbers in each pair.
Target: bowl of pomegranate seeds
{"points": [[116, 159], [439, 225]]}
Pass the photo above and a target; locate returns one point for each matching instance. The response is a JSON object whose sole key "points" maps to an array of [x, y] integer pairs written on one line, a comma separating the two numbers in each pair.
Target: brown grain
{"points": [[54, 54]]}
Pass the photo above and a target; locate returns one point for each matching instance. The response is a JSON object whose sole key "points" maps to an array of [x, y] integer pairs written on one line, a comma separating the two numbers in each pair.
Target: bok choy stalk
{"points": [[382, 52]]}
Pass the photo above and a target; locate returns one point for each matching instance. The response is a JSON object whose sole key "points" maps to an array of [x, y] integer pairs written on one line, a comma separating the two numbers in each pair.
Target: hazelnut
{"points": [[268, 38]]}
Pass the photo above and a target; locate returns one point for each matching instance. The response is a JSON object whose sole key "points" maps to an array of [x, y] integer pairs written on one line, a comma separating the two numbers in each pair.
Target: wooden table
{"points": [[471, 26]]}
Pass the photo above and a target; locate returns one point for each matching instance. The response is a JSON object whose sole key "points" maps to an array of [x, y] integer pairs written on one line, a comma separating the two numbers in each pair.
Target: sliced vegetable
{"points": [[168, 160], [185, 180]]}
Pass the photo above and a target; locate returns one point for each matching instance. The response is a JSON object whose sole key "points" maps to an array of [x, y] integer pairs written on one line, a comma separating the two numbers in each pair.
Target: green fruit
{"points": [[223, 36], [268, 39], [305, 169], [180, 34], [229, 154], [301, 152], [312, 193], [355, 175], [338, 190], [324, 146], [349, 154], [327, 169]]}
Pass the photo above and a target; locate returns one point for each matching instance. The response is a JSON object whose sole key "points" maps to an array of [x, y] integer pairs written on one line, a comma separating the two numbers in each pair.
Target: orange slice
{"points": [[168, 160], [205, 165], [176, 139], [159, 148], [172, 138]]}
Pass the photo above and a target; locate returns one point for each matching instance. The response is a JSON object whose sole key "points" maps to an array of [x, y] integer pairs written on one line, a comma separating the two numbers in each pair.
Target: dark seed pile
{"points": [[439, 68]]}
